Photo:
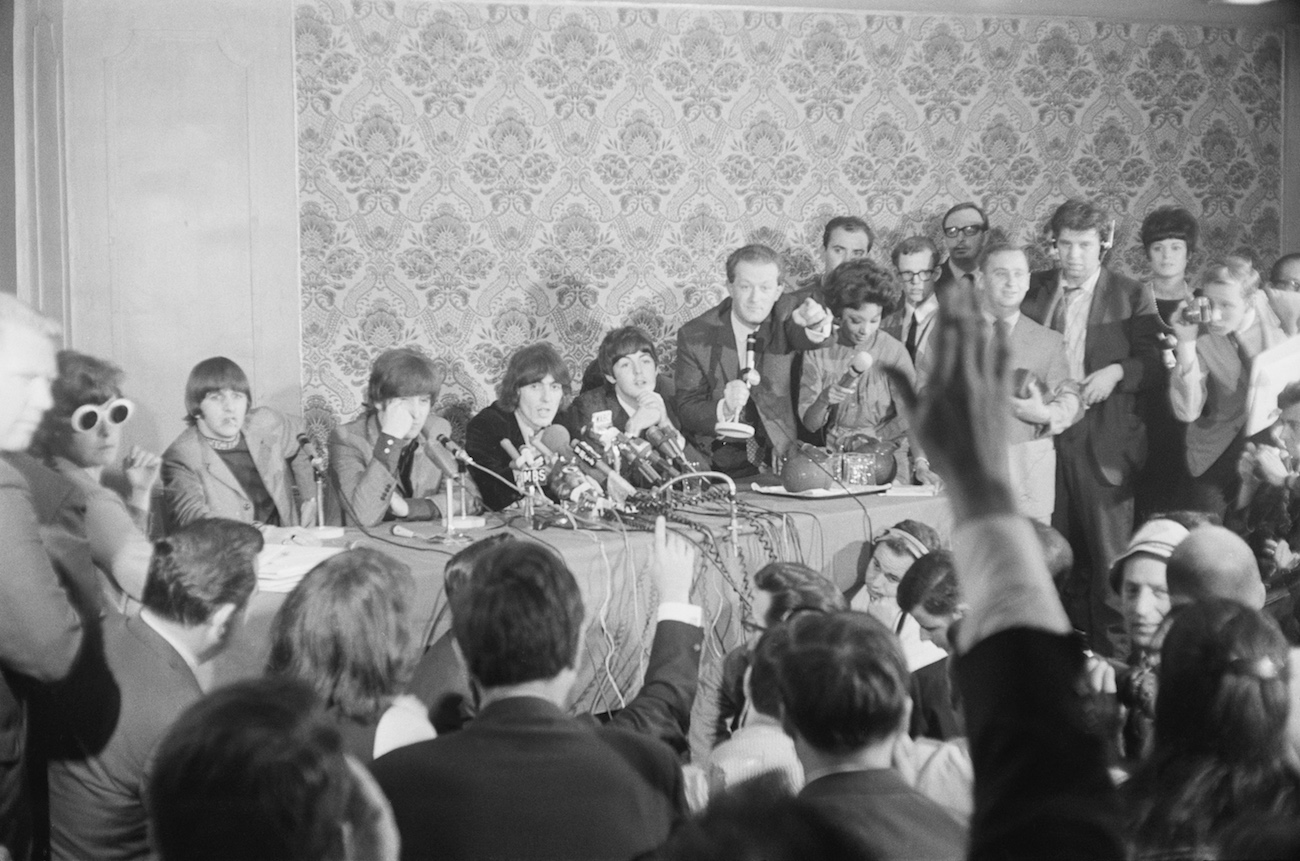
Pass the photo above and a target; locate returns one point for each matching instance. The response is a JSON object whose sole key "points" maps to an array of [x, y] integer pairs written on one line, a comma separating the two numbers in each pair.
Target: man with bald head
{"points": [[40, 630], [1214, 562]]}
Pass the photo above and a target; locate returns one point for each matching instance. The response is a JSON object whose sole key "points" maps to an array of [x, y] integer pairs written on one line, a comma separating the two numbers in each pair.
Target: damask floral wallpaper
{"points": [[477, 177]]}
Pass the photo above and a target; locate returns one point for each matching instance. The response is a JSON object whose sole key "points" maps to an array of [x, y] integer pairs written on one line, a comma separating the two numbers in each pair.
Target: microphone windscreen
{"points": [[862, 362], [555, 437], [440, 456]]}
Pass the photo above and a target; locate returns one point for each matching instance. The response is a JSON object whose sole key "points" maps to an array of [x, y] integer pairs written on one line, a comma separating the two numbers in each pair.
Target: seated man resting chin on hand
{"points": [[389, 463]]}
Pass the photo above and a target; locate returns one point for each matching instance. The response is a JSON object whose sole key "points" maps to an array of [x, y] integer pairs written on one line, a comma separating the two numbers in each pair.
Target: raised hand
{"points": [[672, 567], [960, 420], [141, 469], [812, 316]]}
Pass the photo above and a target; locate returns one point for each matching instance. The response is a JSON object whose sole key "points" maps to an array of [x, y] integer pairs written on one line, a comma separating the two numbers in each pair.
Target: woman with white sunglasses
{"points": [[80, 438]]}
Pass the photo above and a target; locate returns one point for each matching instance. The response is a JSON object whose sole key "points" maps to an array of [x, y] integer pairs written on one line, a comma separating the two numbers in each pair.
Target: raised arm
{"points": [[662, 708], [1041, 787]]}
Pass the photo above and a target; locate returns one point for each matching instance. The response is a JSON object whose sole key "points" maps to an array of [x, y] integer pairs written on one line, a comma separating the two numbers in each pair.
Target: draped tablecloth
{"points": [[611, 569]]}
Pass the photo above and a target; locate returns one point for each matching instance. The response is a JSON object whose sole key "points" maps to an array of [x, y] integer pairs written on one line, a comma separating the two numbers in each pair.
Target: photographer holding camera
{"points": [[1220, 332]]}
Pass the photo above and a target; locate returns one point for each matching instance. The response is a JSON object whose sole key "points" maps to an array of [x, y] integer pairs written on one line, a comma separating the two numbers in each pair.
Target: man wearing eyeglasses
{"points": [[916, 262], [1285, 275], [965, 229]]}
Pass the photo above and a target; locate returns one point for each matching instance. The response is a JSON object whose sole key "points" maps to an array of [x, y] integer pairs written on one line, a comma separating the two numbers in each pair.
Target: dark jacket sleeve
{"points": [[1142, 368], [483, 438], [662, 708], [40, 631], [1041, 786]]}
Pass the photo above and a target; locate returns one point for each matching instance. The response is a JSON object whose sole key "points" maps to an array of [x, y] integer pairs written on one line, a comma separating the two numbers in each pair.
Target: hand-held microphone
{"points": [[862, 362], [456, 449], [750, 372], [666, 444]]}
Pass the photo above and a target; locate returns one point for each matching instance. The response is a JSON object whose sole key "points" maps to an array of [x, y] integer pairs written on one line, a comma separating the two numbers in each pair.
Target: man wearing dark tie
{"points": [[916, 263], [965, 231], [711, 353], [1111, 329], [1209, 385]]}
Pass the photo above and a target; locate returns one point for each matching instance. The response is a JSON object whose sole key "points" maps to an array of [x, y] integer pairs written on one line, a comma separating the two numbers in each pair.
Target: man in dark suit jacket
{"points": [[965, 231], [114, 709], [1111, 330], [844, 695], [711, 356], [40, 630], [661, 708], [1210, 385], [524, 779]]}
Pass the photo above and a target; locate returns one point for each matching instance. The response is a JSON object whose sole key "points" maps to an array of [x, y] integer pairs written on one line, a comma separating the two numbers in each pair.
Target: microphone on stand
{"points": [[585, 454], [566, 479], [305, 444], [665, 444], [623, 445], [317, 462], [456, 449], [441, 456]]}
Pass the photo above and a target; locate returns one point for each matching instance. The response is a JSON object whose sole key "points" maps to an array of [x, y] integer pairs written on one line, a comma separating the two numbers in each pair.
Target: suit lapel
{"points": [[722, 352], [216, 467], [265, 454]]}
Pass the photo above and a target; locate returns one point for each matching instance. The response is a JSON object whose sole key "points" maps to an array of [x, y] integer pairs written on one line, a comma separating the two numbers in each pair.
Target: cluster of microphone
{"points": [[586, 471]]}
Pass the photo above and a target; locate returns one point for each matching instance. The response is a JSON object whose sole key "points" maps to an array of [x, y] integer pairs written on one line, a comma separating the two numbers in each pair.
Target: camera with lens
{"points": [[1198, 311]]}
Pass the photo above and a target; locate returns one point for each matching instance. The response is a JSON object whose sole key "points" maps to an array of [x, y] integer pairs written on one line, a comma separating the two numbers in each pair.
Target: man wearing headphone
{"points": [[1111, 333]]}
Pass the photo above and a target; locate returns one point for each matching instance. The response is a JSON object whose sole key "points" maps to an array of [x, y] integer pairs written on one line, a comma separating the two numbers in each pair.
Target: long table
{"points": [[610, 566]]}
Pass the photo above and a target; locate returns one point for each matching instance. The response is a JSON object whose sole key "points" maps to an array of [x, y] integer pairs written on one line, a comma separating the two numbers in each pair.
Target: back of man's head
{"points": [[1214, 562], [519, 617], [843, 680], [201, 567], [257, 770], [759, 820]]}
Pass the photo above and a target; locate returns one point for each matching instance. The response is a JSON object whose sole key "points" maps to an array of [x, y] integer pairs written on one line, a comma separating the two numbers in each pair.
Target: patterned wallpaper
{"points": [[477, 177]]}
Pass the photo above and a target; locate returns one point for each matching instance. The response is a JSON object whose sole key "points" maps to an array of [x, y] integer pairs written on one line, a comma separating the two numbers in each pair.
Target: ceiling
{"points": [[1173, 11]]}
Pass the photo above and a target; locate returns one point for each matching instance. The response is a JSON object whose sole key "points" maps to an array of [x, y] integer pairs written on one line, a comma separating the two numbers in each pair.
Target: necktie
{"points": [[911, 338], [1063, 309]]}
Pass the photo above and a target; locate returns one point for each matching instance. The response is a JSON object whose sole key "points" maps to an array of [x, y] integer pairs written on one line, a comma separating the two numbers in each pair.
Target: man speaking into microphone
{"points": [[711, 356], [388, 464]]}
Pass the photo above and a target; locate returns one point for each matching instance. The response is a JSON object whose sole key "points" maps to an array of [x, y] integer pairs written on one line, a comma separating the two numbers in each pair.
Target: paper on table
{"points": [[281, 566]]}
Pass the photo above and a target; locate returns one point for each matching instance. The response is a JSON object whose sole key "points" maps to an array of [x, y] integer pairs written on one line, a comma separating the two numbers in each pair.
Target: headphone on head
{"points": [[1106, 237]]}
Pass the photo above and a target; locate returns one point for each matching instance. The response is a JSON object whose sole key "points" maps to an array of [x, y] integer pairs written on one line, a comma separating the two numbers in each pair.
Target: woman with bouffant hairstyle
{"points": [[1220, 733]]}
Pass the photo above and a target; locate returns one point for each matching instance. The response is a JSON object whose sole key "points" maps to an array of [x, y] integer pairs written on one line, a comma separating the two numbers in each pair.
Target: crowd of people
{"points": [[1097, 662]]}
